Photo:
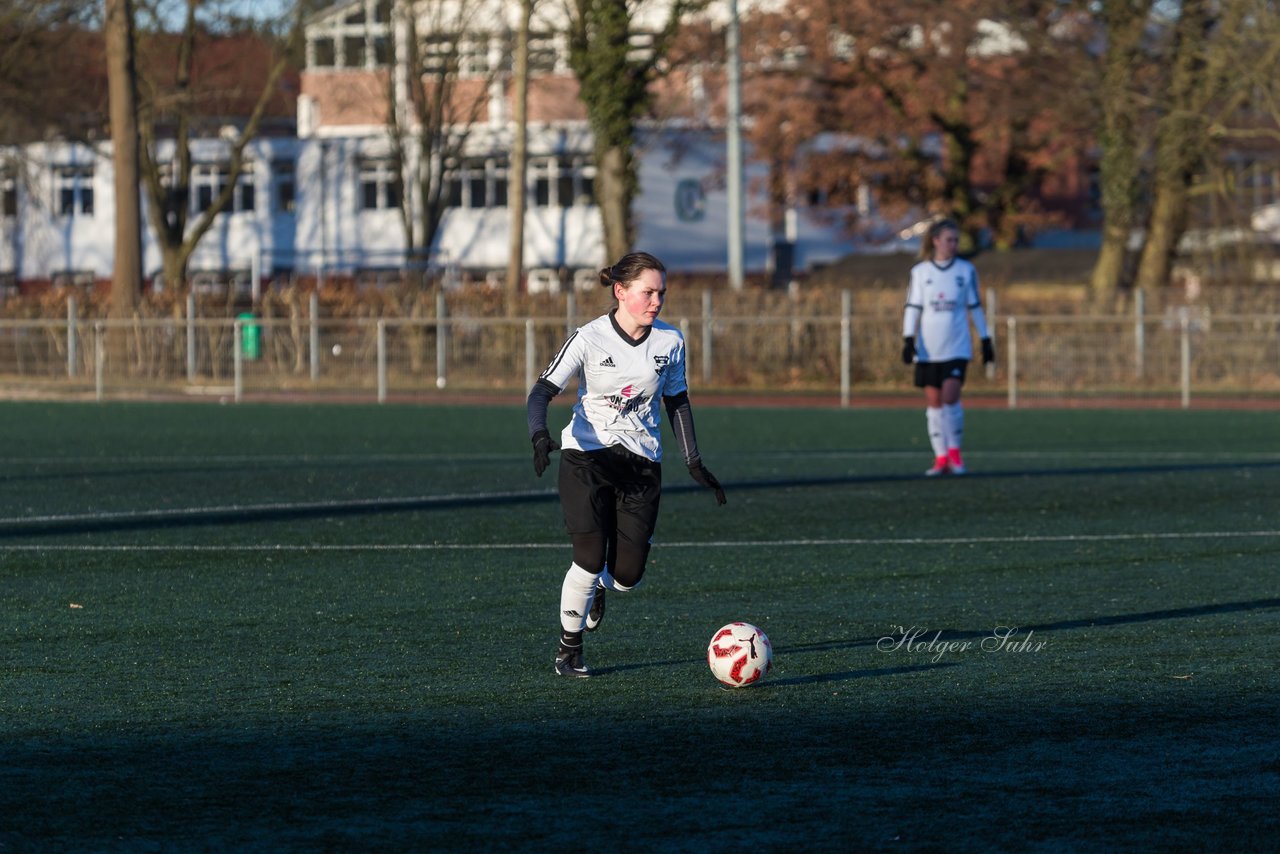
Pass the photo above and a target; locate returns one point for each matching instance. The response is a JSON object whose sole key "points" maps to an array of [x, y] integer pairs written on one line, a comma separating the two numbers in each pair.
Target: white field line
{"points": [[11, 463], [689, 544]]}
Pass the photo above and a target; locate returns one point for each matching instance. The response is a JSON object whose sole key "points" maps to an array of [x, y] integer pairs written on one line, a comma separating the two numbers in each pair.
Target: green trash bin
{"points": [[250, 336]]}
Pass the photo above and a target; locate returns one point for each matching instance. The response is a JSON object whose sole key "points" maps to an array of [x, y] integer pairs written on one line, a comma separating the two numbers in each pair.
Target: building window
{"points": [[379, 185], [353, 52], [282, 172], [209, 180], [359, 39], [74, 188], [562, 182], [467, 54], [476, 182], [544, 53], [323, 53]]}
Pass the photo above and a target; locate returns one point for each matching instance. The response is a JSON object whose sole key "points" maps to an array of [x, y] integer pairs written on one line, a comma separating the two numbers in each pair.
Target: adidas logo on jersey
{"points": [[608, 362]]}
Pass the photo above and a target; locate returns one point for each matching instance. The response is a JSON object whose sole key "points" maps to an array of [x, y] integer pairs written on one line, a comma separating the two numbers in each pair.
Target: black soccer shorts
{"points": [[612, 492], [932, 374]]}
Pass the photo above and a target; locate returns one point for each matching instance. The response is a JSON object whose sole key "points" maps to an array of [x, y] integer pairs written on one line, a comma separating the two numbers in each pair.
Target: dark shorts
{"points": [[932, 374], [613, 492]]}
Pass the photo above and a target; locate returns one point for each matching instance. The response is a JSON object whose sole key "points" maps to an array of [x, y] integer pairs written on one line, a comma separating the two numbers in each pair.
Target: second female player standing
{"points": [[941, 298], [626, 363]]}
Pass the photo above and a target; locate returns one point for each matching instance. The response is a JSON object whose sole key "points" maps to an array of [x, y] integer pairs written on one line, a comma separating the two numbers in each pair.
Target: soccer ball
{"points": [[739, 654]]}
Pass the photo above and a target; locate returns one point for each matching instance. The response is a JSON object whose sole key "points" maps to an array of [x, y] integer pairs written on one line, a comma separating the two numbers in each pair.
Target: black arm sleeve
{"points": [[536, 407], [682, 425]]}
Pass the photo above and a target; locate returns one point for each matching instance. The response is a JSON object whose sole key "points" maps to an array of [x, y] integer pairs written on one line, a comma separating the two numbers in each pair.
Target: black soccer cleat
{"points": [[596, 614], [569, 663]]}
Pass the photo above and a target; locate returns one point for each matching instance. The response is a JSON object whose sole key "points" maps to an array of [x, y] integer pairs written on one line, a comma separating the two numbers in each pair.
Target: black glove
{"points": [[543, 445], [908, 350], [705, 478], [988, 351]]}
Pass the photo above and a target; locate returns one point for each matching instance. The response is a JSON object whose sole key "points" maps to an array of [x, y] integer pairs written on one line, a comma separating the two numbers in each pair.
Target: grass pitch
{"points": [[309, 627]]}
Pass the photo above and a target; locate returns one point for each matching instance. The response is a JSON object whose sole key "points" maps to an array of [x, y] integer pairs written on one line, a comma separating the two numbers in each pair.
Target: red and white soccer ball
{"points": [[739, 654]]}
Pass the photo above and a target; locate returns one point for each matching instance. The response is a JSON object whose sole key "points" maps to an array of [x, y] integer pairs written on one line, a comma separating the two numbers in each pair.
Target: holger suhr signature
{"points": [[917, 639]]}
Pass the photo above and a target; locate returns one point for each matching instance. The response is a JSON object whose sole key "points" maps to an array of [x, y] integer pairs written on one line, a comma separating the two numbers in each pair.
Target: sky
{"points": [[175, 10]]}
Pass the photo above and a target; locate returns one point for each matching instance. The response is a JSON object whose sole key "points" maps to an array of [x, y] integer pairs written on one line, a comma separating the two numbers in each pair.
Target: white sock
{"points": [[576, 593], [953, 424], [937, 430]]}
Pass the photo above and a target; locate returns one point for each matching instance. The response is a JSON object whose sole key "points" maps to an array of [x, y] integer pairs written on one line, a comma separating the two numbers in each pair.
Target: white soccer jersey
{"points": [[939, 302], [621, 383]]}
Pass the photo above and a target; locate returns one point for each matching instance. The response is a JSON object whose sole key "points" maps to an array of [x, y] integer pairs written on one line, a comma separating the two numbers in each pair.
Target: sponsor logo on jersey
{"points": [[608, 362], [939, 301], [627, 400]]}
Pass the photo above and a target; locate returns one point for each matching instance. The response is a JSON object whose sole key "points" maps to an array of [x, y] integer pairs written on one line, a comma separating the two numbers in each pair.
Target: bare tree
{"points": [[39, 96], [126, 281], [174, 113], [959, 109], [434, 106], [519, 151], [614, 78], [1205, 88], [1123, 65]]}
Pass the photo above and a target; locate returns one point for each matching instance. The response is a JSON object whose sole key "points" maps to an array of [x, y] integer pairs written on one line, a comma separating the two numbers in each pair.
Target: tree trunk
{"points": [[614, 198], [1181, 140], [126, 280], [1167, 225], [1120, 162], [1108, 269], [519, 157]]}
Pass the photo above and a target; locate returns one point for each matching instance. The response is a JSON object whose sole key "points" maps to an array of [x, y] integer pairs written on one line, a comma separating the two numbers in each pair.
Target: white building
{"points": [[326, 201]]}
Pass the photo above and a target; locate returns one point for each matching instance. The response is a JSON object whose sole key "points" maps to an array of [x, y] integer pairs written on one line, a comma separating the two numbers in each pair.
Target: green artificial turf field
{"points": [[331, 628]]}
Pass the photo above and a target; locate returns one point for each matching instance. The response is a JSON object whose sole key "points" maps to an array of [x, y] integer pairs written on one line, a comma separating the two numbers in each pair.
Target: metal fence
{"points": [[1175, 358]]}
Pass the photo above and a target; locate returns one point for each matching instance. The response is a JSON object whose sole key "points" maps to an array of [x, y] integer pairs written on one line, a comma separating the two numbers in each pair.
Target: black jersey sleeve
{"points": [[681, 416], [536, 407]]}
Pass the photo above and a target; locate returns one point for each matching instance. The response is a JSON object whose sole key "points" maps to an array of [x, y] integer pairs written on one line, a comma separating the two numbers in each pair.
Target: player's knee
{"points": [[589, 552], [629, 568]]}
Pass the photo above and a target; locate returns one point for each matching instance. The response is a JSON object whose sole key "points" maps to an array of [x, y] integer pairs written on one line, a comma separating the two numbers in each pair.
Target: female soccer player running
{"points": [[935, 335], [625, 361]]}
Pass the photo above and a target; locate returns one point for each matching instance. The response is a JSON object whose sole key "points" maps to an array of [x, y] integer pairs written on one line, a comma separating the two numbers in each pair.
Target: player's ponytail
{"points": [[629, 268]]}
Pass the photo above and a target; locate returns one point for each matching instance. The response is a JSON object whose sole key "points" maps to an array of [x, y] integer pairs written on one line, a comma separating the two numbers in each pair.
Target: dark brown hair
{"points": [[935, 228], [628, 269]]}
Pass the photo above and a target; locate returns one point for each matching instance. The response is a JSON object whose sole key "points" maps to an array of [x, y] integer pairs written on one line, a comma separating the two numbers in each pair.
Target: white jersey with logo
{"points": [[621, 383], [939, 302]]}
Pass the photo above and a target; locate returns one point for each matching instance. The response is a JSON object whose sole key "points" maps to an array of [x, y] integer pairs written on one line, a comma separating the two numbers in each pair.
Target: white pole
{"points": [[846, 345], [1011, 325], [529, 355], [191, 338], [99, 356], [1184, 320], [1139, 332], [442, 348], [737, 218], [382, 361], [236, 359], [315, 336], [71, 336], [706, 337], [255, 274]]}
